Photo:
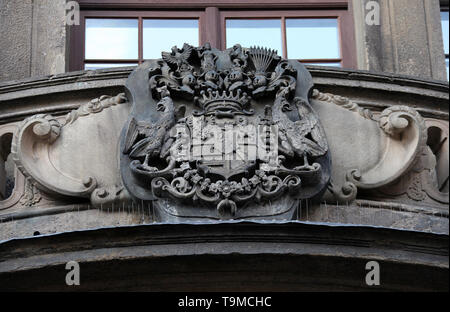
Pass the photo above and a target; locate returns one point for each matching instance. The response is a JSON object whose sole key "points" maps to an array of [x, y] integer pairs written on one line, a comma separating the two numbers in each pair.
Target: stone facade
{"points": [[408, 40], [33, 37], [363, 172], [369, 133]]}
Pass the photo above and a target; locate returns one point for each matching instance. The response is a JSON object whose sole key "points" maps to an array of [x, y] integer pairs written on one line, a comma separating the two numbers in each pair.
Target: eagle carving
{"points": [[223, 134]]}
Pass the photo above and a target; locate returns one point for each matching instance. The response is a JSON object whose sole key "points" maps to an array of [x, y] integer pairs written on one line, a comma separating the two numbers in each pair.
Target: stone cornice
{"points": [[72, 81], [386, 78], [118, 76], [21, 98], [159, 240]]}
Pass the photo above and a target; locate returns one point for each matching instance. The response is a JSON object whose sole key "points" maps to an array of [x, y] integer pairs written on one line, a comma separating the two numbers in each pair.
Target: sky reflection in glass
{"points": [[93, 66], [111, 38], [248, 33], [312, 38], [163, 34], [444, 23]]}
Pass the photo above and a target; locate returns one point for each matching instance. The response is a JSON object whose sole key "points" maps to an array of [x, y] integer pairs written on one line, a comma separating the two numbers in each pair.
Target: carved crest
{"points": [[222, 134]]}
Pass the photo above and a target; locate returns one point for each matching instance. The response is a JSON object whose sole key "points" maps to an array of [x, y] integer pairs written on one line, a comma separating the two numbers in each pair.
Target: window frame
{"points": [[444, 8], [211, 15], [347, 50], [78, 60]]}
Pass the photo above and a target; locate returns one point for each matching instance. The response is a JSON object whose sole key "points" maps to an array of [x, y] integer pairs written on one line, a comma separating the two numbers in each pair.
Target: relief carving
{"points": [[208, 134], [222, 133], [31, 195], [405, 137], [58, 157], [405, 164]]}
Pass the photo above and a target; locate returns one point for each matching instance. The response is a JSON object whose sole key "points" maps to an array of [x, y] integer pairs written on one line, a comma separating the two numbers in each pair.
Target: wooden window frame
{"points": [[211, 16], [78, 60], [346, 46]]}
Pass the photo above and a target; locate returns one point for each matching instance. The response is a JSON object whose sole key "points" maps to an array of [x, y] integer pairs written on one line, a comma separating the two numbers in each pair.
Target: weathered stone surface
{"points": [[403, 226], [33, 38], [407, 41], [16, 19], [246, 135], [343, 121], [226, 257], [72, 218], [75, 157], [49, 42]]}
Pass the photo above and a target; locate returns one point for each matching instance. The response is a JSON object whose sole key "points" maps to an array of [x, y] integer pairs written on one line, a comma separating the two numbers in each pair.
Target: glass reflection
{"points": [[162, 34], [93, 66], [263, 33], [445, 25], [336, 64], [312, 38], [111, 38]]}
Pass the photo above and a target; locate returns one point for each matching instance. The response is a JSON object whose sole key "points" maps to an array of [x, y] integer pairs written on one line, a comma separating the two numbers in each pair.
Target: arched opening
{"points": [[438, 143], [7, 167]]}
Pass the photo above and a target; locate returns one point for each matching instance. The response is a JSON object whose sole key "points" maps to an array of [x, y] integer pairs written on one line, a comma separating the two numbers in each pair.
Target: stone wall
{"points": [[341, 94], [407, 41], [32, 38]]}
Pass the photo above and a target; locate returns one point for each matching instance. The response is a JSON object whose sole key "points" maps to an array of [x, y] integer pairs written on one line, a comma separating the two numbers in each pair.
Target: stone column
{"points": [[15, 39], [49, 38], [32, 38], [407, 41]]}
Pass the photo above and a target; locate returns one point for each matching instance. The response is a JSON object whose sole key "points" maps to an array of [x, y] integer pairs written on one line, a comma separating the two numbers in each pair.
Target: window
{"points": [[126, 38], [313, 37], [445, 25], [313, 32]]}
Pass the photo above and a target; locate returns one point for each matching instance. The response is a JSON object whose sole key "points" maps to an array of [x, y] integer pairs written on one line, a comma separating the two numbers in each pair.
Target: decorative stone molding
{"points": [[400, 143], [343, 102], [95, 106], [31, 149], [31, 195], [377, 156], [66, 159], [420, 184], [406, 136]]}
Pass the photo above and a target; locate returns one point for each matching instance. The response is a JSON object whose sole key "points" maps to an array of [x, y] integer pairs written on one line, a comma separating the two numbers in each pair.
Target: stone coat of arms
{"points": [[222, 134]]}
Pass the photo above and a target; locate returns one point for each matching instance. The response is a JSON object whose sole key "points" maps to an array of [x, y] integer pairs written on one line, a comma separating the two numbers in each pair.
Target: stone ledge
{"points": [[121, 73], [159, 240]]}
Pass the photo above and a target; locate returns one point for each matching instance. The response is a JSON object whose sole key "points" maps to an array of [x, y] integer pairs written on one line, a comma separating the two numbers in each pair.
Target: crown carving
{"points": [[223, 101]]}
